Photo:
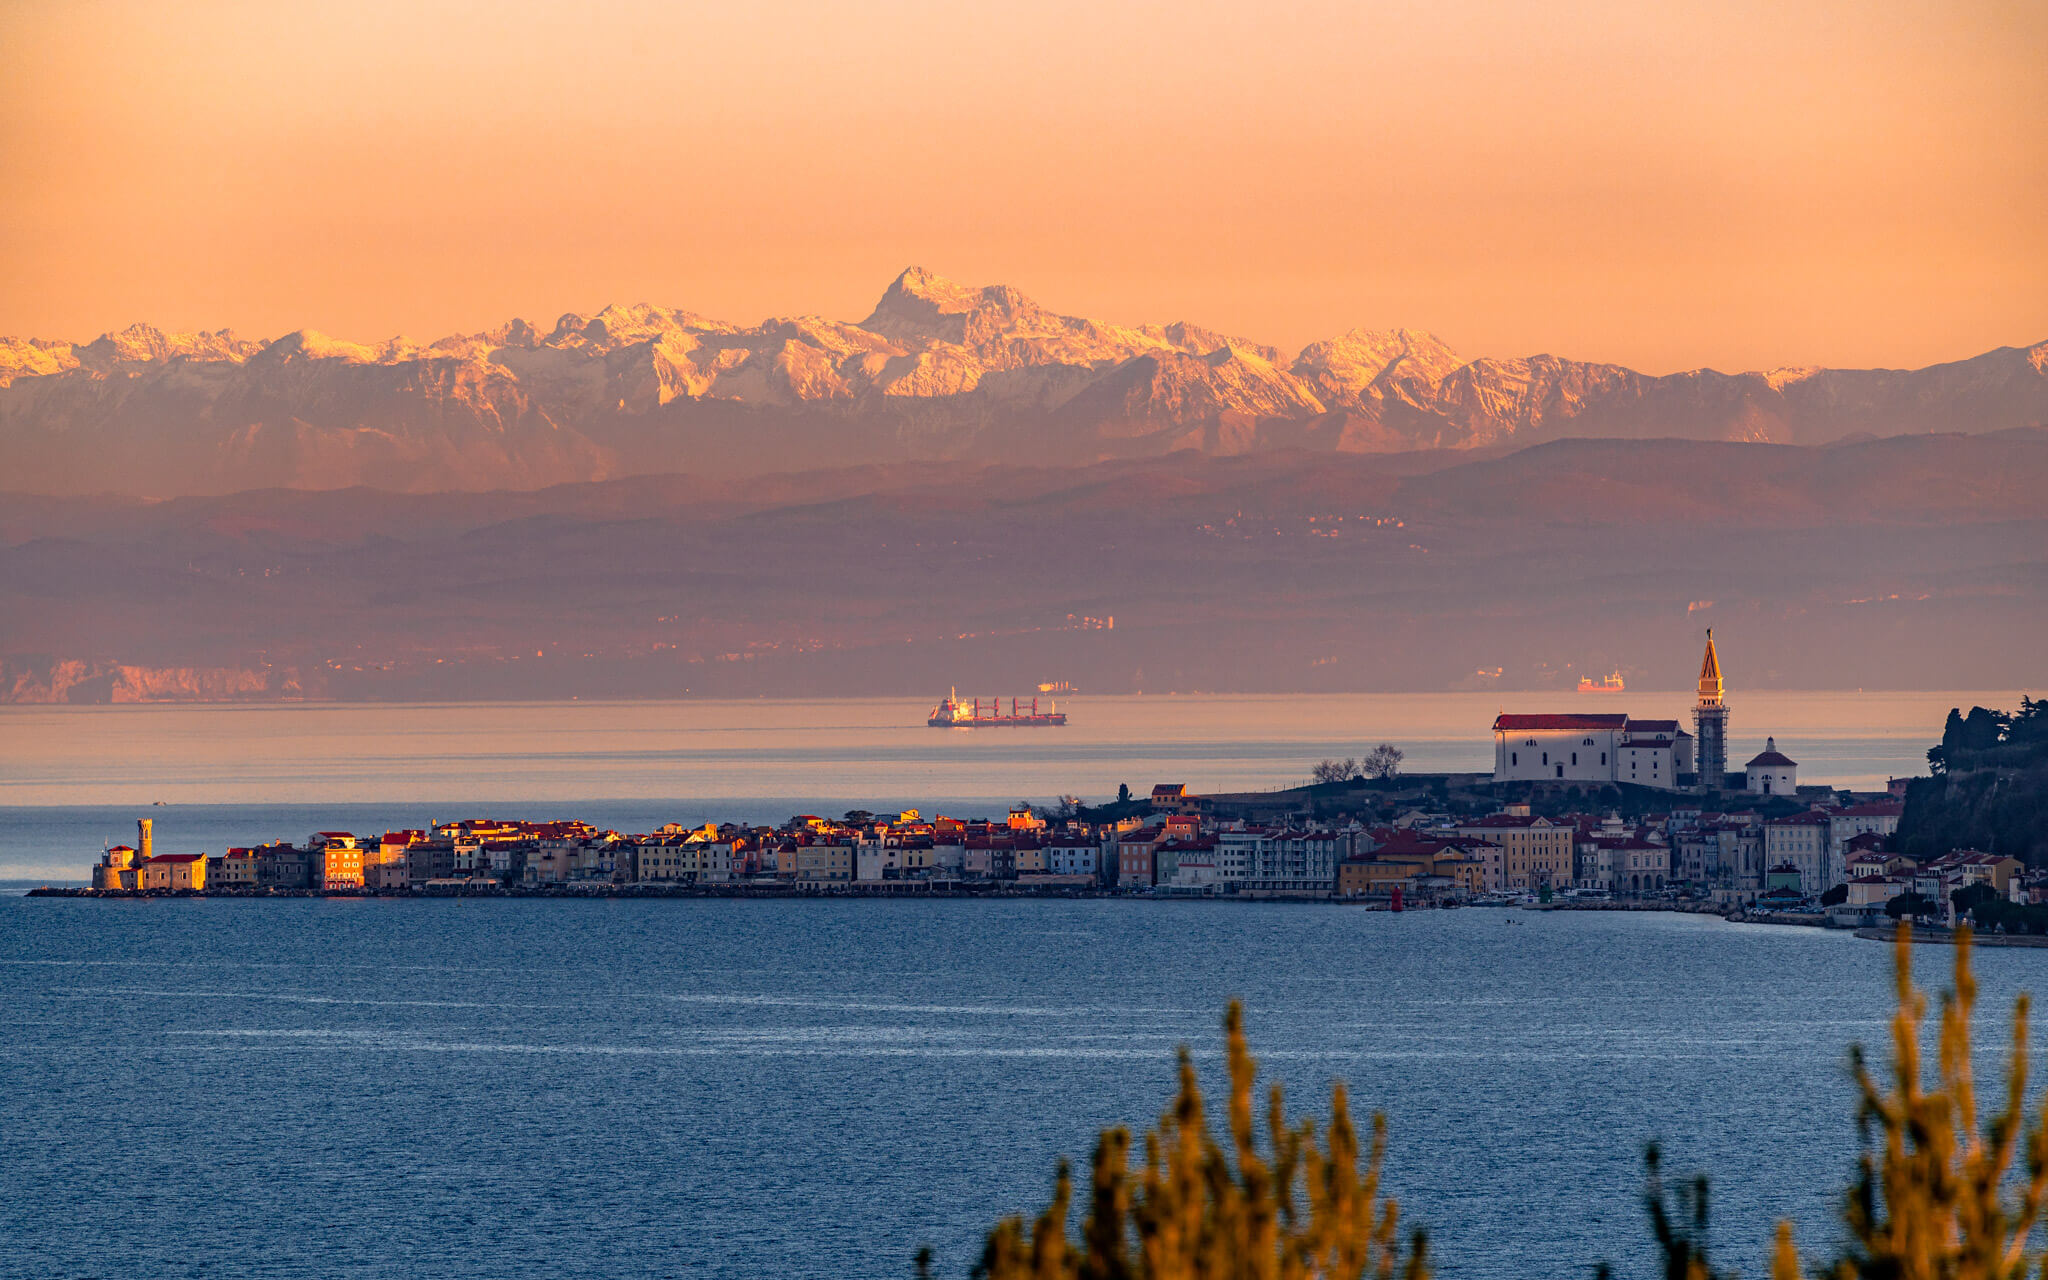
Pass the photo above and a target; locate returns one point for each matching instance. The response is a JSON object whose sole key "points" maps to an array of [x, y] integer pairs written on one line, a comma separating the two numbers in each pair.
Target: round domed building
{"points": [[1772, 774]]}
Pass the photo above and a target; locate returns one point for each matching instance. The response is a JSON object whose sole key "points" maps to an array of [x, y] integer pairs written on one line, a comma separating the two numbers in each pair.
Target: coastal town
{"points": [[1546, 827]]}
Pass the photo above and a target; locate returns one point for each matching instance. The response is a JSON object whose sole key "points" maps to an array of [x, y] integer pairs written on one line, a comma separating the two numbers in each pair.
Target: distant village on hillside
{"points": [[1758, 843]]}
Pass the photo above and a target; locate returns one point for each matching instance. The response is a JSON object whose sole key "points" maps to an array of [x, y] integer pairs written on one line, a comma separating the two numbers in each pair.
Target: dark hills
{"points": [[1916, 561]]}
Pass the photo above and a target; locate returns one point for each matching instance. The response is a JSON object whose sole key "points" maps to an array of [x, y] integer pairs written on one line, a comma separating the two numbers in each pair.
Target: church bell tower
{"points": [[1710, 722]]}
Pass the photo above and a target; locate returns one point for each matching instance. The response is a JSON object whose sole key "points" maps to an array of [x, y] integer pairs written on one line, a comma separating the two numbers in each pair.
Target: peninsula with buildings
{"points": [[1579, 810]]}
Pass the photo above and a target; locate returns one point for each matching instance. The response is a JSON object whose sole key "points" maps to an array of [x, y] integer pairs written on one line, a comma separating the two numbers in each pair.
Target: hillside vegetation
{"points": [[1989, 790]]}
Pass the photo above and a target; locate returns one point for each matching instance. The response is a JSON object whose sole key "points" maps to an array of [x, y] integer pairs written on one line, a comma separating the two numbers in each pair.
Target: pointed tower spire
{"points": [[1711, 687], [1710, 722]]}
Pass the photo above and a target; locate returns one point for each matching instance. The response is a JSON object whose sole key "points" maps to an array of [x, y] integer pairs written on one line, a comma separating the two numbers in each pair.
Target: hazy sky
{"points": [[1662, 184]]}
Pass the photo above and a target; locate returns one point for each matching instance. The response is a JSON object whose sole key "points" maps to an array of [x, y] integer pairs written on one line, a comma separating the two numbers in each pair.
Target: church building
{"points": [[1601, 748]]}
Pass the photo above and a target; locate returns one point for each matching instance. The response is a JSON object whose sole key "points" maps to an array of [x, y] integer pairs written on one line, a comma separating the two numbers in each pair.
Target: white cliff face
{"points": [[939, 370]]}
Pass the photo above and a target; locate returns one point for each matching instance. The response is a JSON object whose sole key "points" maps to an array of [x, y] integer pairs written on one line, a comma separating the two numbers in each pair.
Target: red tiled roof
{"points": [[1505, 723], [179, 857], [1654, 726], [1773, 759]]}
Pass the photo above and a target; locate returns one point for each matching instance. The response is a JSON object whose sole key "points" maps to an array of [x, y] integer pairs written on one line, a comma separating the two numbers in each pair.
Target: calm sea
{"points": [[73, 778], [813, 1089]]}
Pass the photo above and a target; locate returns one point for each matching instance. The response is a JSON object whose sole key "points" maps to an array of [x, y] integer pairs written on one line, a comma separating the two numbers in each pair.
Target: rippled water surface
{"points": [[814, 1089]]}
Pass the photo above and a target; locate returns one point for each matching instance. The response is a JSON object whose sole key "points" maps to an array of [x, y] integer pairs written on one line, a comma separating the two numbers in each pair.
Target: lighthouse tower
{"points": [[1710, 722]]}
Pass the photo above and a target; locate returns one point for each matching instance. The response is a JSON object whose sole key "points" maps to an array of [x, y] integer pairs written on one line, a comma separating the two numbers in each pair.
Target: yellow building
{"points": [[174, 872], [824, 863], [1533, 851], [118, 868], [1405, 864], [237, 870]]}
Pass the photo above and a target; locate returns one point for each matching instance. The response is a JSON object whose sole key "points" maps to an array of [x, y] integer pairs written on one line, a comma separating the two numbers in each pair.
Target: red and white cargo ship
{"points": [[974, 714]]}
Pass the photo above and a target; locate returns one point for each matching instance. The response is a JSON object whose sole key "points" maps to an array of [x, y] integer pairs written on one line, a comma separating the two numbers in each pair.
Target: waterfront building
{"points": [[1068, 856], [1800, 841], [1136, 853], [1296, 864], [1771, 773], [1534, 851], [238, 870], [1784, 880], [1193, 865], [1237, 853], [658, 860], [824, 863], [1640, 866], [1873, 820], [337, 866], [1874, 890], [1417, 864], [175, 872], [1964, 867], [118, 868], [284, 866], [1710, 722]]}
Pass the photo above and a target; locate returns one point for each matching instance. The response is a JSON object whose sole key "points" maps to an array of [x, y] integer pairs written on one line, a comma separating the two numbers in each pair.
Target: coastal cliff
{"points": [[81, 681]]}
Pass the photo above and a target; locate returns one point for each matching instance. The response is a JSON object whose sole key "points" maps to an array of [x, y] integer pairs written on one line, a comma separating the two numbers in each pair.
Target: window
{"points": [[1575, 759], [1546, 757]]}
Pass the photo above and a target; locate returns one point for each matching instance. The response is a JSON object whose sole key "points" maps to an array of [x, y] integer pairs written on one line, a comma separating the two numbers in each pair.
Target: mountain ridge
{"points": [[938, 371]]}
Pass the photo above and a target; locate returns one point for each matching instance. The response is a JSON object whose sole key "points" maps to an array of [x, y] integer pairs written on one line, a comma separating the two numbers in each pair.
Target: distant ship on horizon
{"points": [[1612, 684], [955, 714]]}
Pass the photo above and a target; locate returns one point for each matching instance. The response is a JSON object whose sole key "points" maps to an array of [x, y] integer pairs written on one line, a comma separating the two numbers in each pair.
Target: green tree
{"points": [[1970, 895]]}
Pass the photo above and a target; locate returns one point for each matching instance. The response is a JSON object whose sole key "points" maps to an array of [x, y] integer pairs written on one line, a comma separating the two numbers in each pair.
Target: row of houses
{"points": [[1175, 847], [1878, 876]]}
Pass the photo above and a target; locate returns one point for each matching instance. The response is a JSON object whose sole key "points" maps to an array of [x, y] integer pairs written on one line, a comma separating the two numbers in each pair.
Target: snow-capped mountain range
{"points": [[939, 371]]}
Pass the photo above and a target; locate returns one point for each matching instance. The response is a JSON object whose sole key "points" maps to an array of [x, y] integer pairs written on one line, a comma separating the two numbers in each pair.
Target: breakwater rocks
{"points": [[1926, 933]]}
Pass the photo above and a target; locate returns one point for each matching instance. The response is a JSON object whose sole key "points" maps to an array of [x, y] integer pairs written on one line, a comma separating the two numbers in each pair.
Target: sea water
{"points": [[814, 1089]]}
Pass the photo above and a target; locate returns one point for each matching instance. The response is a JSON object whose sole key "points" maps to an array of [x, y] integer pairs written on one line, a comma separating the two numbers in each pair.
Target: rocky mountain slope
{"points": [[938, 372]]}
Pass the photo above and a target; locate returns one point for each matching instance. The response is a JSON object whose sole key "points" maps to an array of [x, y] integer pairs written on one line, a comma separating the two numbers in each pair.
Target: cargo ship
{"points": [[1612, 684], [955, 714]]}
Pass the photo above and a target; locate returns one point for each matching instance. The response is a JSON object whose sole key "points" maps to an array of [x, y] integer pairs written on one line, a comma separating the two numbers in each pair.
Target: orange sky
{"points": [[1661, 184]]}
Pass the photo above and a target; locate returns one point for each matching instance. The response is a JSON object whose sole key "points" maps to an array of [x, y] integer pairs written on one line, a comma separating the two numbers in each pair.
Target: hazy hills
{"points": [[1916, 561], [939, 372]]}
